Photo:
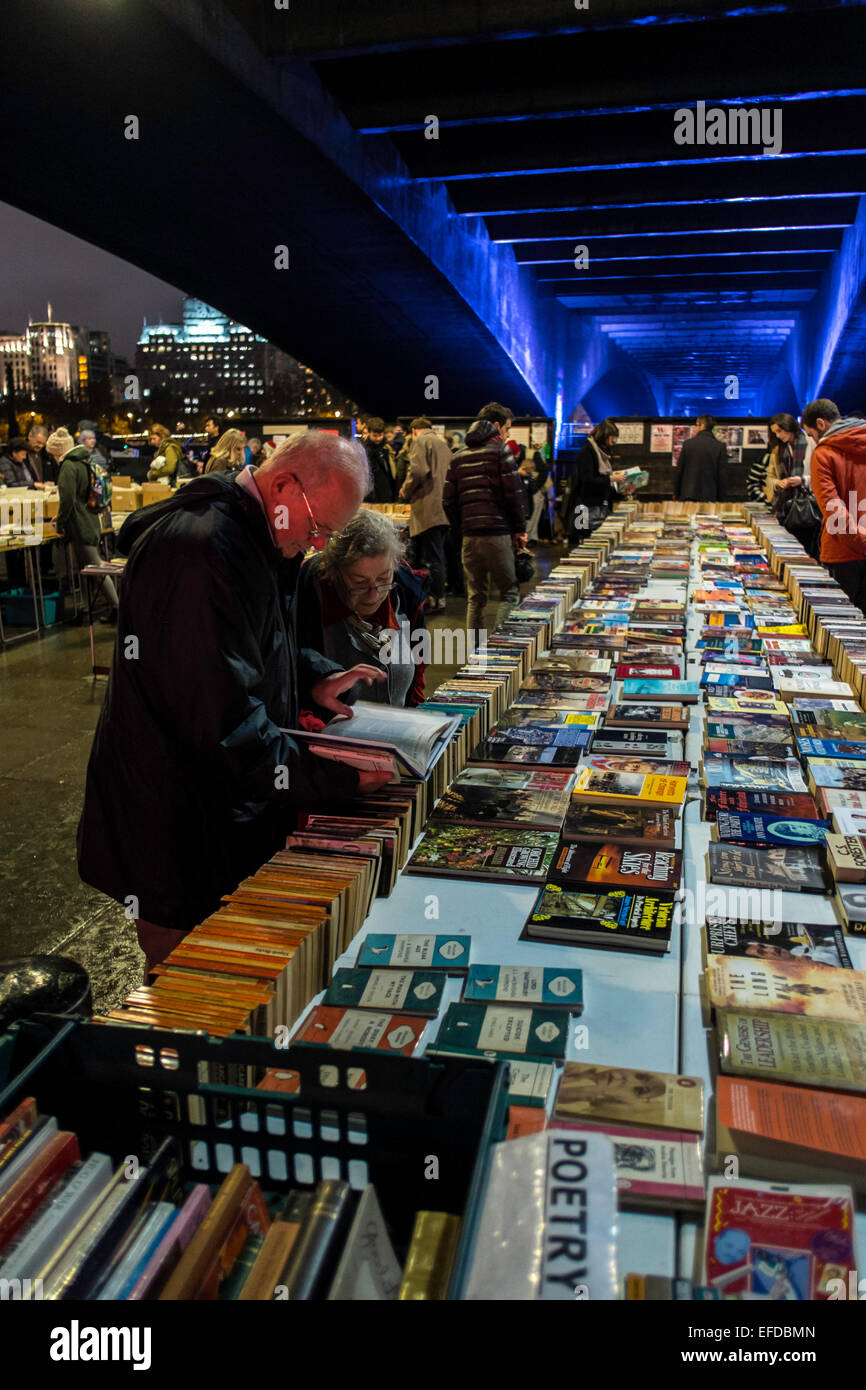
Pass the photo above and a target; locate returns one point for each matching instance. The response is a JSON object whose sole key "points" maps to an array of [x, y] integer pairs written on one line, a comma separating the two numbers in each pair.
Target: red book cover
{"points": [[16, 1125], [363, 1029], [649, 673], [800, 805], [787, 1242], [24, 1196]]}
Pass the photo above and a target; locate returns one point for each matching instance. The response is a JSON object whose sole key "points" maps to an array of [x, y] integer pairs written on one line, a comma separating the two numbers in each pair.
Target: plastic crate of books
{"points": [[351, 1115]]}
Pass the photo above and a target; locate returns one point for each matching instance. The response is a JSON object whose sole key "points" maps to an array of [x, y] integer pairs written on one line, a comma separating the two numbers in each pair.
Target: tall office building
{"points": [[60, 356], [210, 362]]}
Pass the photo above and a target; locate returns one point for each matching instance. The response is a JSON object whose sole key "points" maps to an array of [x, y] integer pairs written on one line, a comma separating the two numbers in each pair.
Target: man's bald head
{"points": [[312, 486]]}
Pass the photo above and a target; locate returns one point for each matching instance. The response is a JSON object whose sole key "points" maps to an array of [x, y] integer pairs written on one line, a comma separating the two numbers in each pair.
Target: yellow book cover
{"points": [[785, 1047], [650, 788], [797, 986]]}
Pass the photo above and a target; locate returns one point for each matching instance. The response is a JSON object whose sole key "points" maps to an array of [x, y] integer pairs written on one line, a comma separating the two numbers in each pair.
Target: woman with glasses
{"points": [[355, 596]]}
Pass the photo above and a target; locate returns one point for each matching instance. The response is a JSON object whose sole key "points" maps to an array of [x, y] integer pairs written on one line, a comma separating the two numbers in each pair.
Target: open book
{"points": [[415, 738]]}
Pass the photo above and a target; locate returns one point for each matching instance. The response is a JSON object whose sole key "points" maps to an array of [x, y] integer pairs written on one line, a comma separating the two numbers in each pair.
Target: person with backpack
{"points": [[85, 491]]}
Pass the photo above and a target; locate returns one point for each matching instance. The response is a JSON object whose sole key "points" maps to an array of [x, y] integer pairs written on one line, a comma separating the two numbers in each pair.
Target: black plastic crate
{"points": [[123, 1089]]}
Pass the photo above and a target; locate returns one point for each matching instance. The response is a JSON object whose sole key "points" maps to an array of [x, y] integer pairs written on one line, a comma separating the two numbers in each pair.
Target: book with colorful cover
{"points": [[800, 805], [502, 752], [753, 774], [636, 826], [683, 692], [616, 920], [734, 936], [648, 716], [793, 986], [767, 830], [503, 805], [484, 852], [656, 1169], [611, 865], [788, 1242], [631, 788], [795, 869]]}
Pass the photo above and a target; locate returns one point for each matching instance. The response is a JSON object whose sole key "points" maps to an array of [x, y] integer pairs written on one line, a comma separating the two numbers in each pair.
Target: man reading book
{"points": [[192, 782]]}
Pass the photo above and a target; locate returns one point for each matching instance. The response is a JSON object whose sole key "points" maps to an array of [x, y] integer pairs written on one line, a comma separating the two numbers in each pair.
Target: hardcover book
{"points": [[647, 716], [797, 804], [466, 802]]}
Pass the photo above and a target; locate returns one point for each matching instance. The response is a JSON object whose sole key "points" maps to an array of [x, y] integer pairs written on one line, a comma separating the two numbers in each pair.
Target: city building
{"points": [[56, 356], [210, 362]]}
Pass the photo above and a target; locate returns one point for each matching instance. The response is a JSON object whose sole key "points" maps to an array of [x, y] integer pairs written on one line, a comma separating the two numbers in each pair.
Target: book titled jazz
{"points": [[611, 865], [797, 869], [786, 986], [357, 1030], [535, 1032], [779, 1241]]}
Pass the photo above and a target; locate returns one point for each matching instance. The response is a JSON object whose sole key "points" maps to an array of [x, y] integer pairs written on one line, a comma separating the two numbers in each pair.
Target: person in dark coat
{"points": [[383, 465], [192, 781], [591, 492], [484, 501], [360, 601], [703, 461], [15, 470]]}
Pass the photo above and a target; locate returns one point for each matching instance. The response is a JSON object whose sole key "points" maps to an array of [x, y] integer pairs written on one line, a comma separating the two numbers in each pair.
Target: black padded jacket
{"points": [[483, 494]]}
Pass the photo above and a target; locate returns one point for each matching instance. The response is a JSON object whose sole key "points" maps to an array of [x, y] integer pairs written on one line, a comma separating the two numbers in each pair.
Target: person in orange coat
{"points": [[839, 485]]}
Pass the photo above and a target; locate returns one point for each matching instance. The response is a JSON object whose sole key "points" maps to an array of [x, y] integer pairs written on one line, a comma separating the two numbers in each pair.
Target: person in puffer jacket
{"points": [[484, 501]]}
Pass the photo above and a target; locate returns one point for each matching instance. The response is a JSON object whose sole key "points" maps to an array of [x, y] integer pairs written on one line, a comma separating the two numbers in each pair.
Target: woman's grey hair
{"points": [[368, 533], [315, 456]]}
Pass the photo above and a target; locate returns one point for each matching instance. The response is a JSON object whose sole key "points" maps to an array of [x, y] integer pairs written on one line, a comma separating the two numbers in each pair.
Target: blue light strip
{"points": [[684, 231], [683, 256], [698, 275], [636, 164], [548, 210], [576, 112]]}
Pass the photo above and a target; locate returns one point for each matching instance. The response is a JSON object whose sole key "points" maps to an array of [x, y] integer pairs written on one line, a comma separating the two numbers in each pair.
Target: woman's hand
{"points": [[326, 692]]}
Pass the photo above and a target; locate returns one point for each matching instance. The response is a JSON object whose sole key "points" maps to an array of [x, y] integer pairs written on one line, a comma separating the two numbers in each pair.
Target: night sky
{"points": [[85, 285]]}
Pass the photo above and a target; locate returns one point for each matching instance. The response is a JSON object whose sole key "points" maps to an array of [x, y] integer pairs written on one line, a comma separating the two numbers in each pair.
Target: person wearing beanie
{"points": [[76, 522]]}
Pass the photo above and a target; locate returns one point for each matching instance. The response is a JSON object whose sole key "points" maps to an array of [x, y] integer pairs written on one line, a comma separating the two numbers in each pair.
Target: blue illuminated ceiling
{"points": [[557, 132], [452, 259]]}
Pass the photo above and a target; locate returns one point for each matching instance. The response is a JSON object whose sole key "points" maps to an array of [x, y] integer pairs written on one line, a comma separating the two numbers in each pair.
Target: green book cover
{"points": [[503, 1028], [408, 991]]}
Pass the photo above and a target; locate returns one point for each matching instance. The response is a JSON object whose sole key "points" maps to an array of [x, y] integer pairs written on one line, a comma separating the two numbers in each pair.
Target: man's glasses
{"points": [[316, 531]]}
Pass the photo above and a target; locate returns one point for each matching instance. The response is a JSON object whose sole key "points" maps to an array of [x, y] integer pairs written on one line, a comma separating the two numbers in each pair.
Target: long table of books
{"points": [[614, 903]]}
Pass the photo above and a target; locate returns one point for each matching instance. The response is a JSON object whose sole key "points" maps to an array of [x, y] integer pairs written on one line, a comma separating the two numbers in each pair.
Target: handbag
{"points": [[800, 511], [524, 566]]}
